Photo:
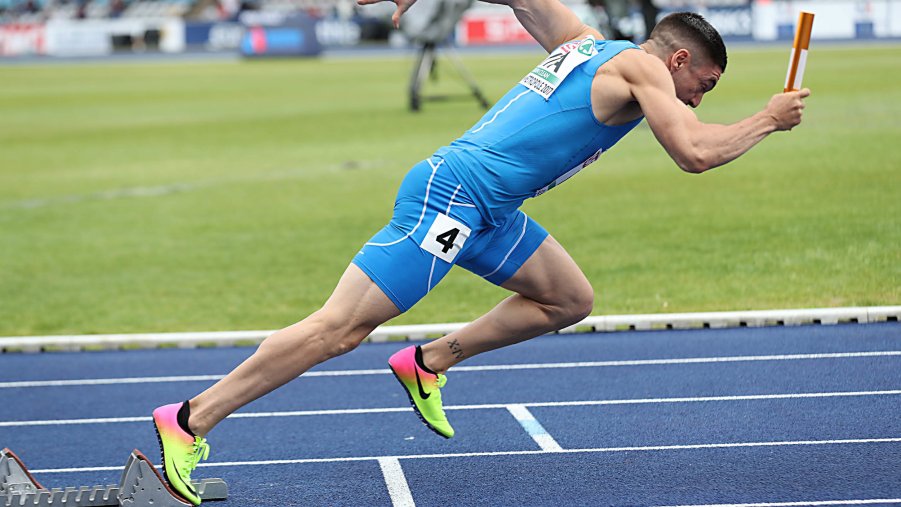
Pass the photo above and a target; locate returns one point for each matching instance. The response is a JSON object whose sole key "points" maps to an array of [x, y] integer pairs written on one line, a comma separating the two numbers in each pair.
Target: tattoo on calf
{"points": [[456, 349]]}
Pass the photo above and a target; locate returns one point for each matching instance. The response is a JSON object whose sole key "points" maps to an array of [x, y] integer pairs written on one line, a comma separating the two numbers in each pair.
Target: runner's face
{"points": [[692, 77]]}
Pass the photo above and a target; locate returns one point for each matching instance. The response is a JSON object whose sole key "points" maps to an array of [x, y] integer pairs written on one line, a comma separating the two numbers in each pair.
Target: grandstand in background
{"points": [[32, 11]]}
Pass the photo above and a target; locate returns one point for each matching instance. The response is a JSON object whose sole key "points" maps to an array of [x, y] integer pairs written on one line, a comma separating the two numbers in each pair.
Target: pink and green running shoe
{"points": [[181, 451], [423, 388]]}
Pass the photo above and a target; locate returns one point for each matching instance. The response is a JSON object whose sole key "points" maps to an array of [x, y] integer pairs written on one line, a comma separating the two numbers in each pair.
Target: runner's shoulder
{"points": [[638, 67]]}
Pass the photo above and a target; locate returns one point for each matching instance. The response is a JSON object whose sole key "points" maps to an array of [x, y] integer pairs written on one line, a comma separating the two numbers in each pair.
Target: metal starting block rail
{"points": [[141, 486]]}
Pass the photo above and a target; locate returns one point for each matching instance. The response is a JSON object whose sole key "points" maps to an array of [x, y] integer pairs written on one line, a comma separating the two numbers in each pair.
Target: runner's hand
{"points": [[402, 6], [786, 108]]}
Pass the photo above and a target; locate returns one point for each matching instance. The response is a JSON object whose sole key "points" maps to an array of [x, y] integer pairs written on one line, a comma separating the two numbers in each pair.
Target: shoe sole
{"points": [[415, 408]]}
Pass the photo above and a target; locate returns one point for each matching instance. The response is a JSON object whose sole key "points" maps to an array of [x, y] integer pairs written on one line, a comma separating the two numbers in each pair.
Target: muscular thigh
{"points": [[500, 251], [551, 276]]}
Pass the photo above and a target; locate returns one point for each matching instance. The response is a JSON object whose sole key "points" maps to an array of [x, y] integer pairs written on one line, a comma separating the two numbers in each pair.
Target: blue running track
{"points": [[767, 416]]}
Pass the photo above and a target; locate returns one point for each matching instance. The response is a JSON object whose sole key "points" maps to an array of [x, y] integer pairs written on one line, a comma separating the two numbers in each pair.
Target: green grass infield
{"points": [[203, 196]]}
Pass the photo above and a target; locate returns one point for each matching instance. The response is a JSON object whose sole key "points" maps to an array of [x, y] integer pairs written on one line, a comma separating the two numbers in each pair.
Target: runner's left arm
{"points": [[550, 22]]}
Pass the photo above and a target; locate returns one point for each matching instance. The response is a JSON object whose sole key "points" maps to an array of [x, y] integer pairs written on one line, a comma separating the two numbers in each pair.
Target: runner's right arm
{"points": [[695, 146]]}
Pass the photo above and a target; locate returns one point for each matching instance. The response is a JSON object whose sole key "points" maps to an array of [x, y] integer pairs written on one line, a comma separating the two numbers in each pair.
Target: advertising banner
{"points": [[79, 38], [222, 36], [736, 20], [293, 35], [338, 32], [22, 39], [491, 28], [733, 22], [835, 20], [98, 37]]}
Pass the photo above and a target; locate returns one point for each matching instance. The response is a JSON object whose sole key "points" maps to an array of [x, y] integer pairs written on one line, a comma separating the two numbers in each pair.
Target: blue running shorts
{"points": [[436, 225]]}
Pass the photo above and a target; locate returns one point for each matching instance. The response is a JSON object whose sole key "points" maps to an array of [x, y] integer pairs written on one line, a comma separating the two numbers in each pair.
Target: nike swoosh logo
{"points": [[189, 486], [422, 393]]}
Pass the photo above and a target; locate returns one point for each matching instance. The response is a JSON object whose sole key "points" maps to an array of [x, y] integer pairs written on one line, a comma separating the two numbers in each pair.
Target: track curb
{"points": [[600, 323]]}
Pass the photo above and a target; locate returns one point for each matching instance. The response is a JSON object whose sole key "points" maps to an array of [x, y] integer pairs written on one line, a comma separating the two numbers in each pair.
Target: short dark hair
{"points": [[689, 27]]}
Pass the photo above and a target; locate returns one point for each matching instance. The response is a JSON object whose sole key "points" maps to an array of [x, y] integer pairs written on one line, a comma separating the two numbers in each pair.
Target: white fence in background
{"points": [[612, 323], [484, 24]]}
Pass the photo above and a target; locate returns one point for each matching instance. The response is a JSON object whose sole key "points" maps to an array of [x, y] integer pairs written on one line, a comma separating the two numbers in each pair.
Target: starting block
{"points": [[141, 486]]}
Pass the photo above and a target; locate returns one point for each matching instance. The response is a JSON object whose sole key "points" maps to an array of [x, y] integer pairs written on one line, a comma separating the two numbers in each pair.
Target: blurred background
{"points": [[203, 165], [306, 27]]}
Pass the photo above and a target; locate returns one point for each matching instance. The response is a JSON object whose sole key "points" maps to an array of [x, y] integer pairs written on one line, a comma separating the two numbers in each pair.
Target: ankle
{"points": [[195, 427], [432, 360], [183, 417], [194, 420]]}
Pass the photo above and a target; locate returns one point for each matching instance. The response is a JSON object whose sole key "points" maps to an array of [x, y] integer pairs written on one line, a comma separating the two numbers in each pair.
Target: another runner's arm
{"points": [[695, 146], [550, 22]]}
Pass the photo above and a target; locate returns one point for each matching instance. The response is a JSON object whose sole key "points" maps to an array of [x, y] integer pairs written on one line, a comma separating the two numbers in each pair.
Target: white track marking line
{"points": [[793, 504], [534, 428], [585, 403], [653, 448], [398, 489], [496, 367]]}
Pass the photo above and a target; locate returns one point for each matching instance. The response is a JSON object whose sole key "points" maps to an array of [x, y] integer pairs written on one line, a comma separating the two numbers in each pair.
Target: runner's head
{"points": [[694, 53]]}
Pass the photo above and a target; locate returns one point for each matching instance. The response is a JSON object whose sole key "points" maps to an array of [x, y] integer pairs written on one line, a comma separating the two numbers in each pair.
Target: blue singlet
{"points": [[526, 145], [460, 207]]}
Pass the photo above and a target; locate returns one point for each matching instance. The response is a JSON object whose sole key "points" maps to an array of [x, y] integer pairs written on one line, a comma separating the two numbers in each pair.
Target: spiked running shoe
{"points": [[180, 450], [423, 388]]}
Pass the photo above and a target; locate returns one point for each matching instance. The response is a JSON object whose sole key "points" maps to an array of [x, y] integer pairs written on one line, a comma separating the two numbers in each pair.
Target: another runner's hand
{"points": [[402, 6]]}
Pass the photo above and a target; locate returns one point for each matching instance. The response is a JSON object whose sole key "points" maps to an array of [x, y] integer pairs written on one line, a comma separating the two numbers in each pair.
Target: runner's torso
{"points": [[526, 144]]}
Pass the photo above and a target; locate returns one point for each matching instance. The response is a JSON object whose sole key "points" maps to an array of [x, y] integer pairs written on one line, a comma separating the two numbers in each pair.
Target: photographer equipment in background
{"points": [[430, 25], [617, 13]]}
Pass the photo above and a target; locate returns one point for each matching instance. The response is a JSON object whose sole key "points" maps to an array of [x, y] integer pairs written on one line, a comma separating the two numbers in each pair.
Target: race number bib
{"points": [[548, 75], [445, 238]]}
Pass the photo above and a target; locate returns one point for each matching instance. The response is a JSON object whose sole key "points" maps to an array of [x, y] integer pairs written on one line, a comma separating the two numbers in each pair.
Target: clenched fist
{"points": [[786, 108]]}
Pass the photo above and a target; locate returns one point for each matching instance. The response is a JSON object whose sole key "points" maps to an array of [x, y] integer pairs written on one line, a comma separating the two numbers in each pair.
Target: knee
{"points": [[575, 305], [583, 303], [341, 347], [337, 334]]}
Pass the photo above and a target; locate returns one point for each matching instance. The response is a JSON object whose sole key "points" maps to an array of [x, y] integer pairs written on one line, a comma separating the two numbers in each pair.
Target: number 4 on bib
{"points": [[445, 238]]}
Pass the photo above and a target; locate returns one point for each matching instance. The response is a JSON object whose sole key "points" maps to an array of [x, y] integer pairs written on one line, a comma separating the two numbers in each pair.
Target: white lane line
{"points": [[534, 428], [180, 378], [73, 422], [794, 504], [496, 367], [583, 403], [652, 448], [398, 489]]}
